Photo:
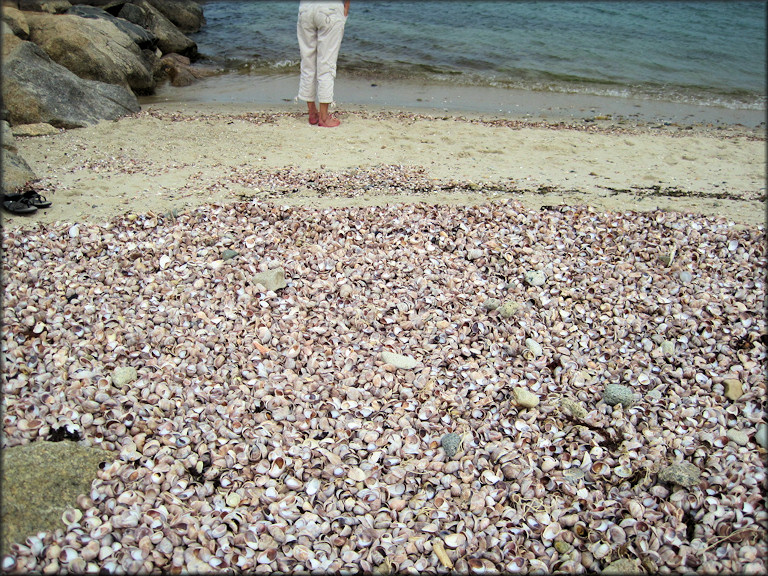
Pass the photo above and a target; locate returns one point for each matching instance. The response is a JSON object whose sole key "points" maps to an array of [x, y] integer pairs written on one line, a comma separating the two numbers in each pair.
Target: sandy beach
{"points": [[173, 156], [417, 343]]}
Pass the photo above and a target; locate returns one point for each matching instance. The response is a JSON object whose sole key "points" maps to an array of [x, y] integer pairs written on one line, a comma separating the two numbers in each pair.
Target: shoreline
{"points": [[175, 156], [278, 90]]}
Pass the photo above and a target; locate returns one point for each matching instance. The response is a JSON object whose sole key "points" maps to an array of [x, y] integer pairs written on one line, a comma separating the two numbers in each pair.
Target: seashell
{"points": [[551, 531], [266, 556], [71, 516], [312, 486], [623, 471], [489, 477], [454, 540], [277, 468], [67, 554], [600, 468], [233, 499], [581, 530]]}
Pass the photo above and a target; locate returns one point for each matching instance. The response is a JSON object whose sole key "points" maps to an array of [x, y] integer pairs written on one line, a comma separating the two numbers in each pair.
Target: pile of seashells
{"points": [[264, 430]]}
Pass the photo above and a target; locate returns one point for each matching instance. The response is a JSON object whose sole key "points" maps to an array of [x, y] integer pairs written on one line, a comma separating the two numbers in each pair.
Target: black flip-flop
{"points": [[18, 206], [34, 198]]}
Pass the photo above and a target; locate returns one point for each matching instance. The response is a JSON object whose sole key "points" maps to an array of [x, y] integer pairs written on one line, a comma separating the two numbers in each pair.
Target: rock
{"points": [[124, 375], [185, 14], [474, 254], [618, 394], [38, 129], [49, 6], [399, 360], [16, 21], [36, 89], [533, 347], [450, 443], [733, 389], [228, 254], [668, 348], [535, 277], [272, 280], [573, 408], [144, 39], [94, 49], [622, 566], [40, 481], [508, 309], [179, 71], [738, 437], [685, 276], [684, 474], [761, 436], [169, 38], [491, 303], [525, 398]]}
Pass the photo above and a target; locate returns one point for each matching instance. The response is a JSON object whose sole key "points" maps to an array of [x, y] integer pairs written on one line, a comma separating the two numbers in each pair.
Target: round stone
{"points": [[450, 443], [535, 277], [525, 398], [618, 394], [684, 474]]}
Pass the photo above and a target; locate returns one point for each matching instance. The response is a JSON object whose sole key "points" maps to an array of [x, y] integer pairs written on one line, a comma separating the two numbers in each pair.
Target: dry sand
{"points": [[173, 156]]}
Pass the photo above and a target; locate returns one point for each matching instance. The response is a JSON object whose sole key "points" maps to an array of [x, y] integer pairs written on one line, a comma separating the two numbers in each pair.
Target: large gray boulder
{"points": [[186, 15], [93, 49], [144, 39], [169, 38], [36, 89]]}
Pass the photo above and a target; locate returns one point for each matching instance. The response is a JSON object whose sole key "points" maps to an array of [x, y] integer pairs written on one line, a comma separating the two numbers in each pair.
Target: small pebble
{"points": [[124, 375], [474, 254], [668, 348], [534, 347], [525, 398], [733, 389], [229, 254], [618, 394], [399, 360], [575, 409], [450, 443], [685, 276], [622, 566], [738, 436], [761, 436], [684, 474], [508, 309], [271, 279], [535, 277], [491, 303]]}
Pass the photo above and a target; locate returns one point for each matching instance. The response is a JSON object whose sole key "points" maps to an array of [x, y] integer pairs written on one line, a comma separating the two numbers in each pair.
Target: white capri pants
{"points": [[320, 28]]}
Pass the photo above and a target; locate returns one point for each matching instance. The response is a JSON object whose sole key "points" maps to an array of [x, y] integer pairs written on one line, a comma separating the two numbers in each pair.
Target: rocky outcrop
{"points": [[36, 89], [185, 15], [169, 38], [144, 39], [93, 49]]}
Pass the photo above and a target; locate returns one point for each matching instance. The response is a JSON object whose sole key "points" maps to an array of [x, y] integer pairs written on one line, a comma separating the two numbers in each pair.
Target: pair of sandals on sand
{"points": [[26, 202]]}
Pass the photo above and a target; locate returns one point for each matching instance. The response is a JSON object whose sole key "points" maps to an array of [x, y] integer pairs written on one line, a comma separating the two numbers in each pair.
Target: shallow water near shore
{"points": [[279, 90]]}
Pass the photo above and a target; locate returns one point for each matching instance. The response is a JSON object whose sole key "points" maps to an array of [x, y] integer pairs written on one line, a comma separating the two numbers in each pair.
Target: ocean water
{"points": [[703, 53]]}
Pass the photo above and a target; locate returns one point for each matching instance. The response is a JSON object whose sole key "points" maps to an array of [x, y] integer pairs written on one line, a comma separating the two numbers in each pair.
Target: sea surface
{"points": [[710, 54]]}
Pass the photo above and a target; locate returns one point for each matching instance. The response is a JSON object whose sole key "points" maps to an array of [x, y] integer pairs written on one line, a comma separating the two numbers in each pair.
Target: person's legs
{"points": [[306, 33], [329, 37]]}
